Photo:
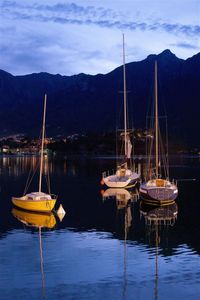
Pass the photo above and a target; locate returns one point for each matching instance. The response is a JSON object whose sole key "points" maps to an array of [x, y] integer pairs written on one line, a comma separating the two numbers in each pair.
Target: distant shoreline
{"points": [[89, 156]]}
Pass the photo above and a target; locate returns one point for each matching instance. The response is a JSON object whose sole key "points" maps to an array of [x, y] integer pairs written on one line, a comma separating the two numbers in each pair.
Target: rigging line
{"points": [[116, 145], [167, 146], [163, 157], [161, 154], [146, 146], [150, 145], [149, 102], [29, 180], [162, 101], [47, 176], [150, 156], [42, 148], [49, 182]]}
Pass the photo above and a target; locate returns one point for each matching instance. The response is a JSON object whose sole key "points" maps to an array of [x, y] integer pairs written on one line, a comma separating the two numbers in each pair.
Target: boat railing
{"points": [[160, 221], [108, 173]]}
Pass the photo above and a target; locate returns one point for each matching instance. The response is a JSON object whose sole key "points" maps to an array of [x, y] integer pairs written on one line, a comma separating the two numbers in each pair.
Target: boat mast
{"points": [[156, 118], [125, 101], [42, 147]]}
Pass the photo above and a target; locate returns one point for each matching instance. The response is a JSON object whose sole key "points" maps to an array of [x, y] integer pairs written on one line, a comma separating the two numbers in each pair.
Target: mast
{"points": [[156, 118], [125, 101], [42, 147]]}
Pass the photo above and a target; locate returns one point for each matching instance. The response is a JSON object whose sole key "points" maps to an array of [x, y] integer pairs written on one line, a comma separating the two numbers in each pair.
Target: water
{"points": [[102, 249]]}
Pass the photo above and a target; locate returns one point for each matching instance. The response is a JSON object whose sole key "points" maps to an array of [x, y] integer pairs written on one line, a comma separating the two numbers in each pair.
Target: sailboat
{"points": [[124, 177], [38, 201], [158, 188]]}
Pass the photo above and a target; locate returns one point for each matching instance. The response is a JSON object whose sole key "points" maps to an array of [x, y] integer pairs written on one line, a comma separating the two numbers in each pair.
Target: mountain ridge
{"points": [[83, 103]]}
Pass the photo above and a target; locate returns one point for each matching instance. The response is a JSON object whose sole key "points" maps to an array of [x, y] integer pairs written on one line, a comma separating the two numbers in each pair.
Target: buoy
{"points": [[102, 182], [60, 212]]}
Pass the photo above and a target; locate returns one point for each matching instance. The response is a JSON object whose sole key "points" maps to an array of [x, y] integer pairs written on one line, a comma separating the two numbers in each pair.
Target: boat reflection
{"points": [[157, 219], [36, 220], [124, 205], [163, 215], [33, 219], [122, 195], [125, 200]]}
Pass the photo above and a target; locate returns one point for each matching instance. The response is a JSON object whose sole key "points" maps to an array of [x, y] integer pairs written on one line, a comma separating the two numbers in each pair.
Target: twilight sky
{"points": [[85, 36]]}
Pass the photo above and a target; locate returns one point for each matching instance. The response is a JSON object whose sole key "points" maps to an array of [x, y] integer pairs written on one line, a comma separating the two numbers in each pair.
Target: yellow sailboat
{"points": [[37, 201]]}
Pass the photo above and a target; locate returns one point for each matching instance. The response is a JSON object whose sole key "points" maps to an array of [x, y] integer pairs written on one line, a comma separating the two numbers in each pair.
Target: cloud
{"points": [[72, 13], [185, 45], [75, 37]]}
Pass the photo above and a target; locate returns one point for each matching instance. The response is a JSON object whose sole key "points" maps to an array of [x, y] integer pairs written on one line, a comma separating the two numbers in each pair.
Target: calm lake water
{"points": [[104, 248]]}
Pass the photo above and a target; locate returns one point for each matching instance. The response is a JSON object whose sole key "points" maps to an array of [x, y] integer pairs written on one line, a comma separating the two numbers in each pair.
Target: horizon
{"points": [[54, 74]]}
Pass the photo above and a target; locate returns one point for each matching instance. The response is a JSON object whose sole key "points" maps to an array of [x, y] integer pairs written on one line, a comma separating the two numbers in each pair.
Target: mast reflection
{"points": [[39, 221], [157, 220], [125, 200]]}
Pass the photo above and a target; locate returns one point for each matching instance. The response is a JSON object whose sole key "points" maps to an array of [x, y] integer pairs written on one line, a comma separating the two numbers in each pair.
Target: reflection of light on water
{"points": [[19, 165]]}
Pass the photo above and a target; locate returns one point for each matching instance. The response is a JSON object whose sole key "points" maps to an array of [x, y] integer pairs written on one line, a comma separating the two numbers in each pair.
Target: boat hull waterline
{"points": [[159, 194], [34, 205]]}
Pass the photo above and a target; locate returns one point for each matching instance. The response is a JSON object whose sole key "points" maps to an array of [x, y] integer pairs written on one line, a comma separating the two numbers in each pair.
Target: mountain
{"points": [[82, 103]]}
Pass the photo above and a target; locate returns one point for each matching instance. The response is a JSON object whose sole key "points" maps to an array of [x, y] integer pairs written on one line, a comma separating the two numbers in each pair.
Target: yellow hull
{"points": [[37, 206], [35, 219]]}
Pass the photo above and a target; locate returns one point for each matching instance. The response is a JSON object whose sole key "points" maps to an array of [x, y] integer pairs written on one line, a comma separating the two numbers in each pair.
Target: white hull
{"points": [[115, 181]]}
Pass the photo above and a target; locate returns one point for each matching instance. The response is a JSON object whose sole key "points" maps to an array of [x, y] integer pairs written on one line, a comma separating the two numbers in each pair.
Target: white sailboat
{"points": [[124, 176], [158, 188], [38, 201]]}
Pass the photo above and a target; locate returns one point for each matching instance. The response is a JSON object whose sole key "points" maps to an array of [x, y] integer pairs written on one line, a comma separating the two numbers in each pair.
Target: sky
{"points": [[85, 36]]}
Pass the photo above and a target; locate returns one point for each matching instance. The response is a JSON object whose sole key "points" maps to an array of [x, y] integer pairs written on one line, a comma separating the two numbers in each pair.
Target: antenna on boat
{"points": [[42, 147]]}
